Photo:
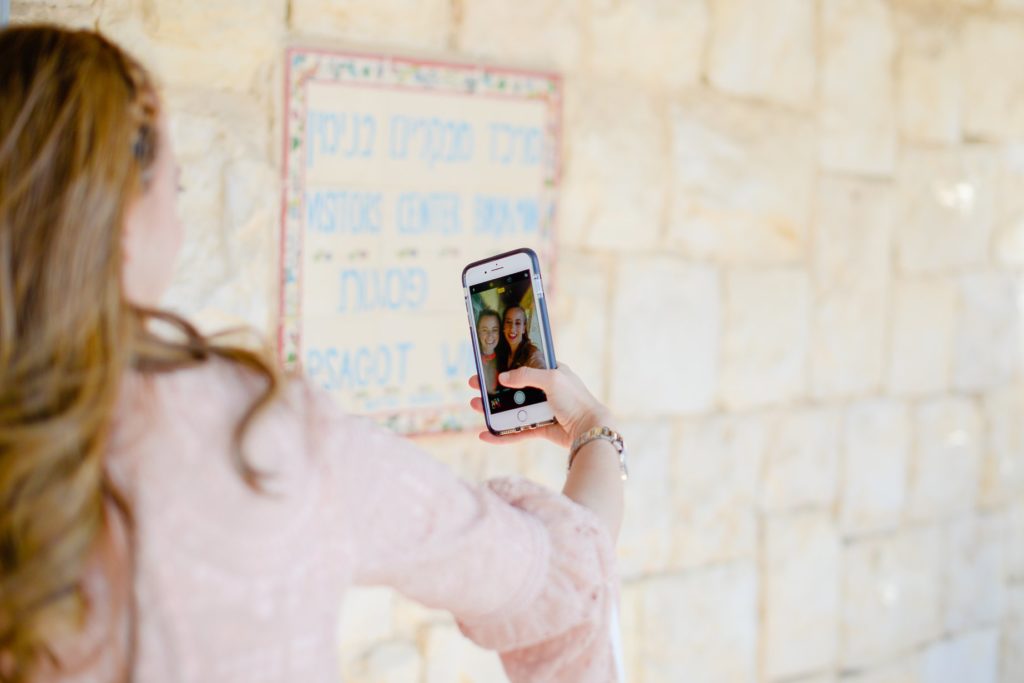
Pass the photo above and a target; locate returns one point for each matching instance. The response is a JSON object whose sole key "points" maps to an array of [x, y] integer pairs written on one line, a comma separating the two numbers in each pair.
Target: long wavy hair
{"points": [[506, 359], [78, 139]]}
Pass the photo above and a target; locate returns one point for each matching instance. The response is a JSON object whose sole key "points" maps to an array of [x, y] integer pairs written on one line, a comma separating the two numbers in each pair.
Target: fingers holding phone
{"points": [[575, 409]]}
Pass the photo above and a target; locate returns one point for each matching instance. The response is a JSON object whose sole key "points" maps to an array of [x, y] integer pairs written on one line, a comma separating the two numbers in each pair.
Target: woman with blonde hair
{"points": [[173, 509], [488, 324]]}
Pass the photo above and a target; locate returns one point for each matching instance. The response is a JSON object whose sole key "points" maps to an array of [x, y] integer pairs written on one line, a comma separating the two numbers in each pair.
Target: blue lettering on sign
{"points": [[394, 289], [431, 140], [339, 134], [420, 213], [341, 212], [501, 216], [359, 368], [516, 144], [457, 360]]}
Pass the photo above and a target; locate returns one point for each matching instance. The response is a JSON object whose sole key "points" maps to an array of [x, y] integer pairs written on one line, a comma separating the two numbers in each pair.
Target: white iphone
{"points": [[508, 323]]}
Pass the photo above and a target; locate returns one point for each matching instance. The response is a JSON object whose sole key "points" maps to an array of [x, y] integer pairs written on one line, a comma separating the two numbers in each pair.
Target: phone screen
{"points": [[510, 336]]}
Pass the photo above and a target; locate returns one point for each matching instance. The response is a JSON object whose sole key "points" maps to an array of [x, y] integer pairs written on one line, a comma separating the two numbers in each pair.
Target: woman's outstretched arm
{"points": [[595, 480]]}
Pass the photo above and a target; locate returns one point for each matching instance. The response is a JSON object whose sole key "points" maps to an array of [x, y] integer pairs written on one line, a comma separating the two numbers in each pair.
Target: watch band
{"points": [[604, 434]]}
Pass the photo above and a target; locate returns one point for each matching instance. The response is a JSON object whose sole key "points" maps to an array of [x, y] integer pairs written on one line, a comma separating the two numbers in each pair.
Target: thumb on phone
{"points": [[526, 377]]}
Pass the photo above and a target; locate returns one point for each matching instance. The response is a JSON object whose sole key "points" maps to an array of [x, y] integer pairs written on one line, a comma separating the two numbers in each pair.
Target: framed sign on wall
{"points": [[398, 172]]}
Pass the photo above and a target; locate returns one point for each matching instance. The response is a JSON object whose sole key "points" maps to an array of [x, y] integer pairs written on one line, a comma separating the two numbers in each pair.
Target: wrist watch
{"points": [[605, 434]]}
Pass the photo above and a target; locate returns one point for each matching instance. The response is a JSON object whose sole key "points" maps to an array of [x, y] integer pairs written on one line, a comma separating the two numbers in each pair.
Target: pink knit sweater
{"points": [[232, 585]]}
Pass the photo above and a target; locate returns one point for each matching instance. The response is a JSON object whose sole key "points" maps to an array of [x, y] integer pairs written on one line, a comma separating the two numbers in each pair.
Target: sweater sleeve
{"points": [[525, 570]]}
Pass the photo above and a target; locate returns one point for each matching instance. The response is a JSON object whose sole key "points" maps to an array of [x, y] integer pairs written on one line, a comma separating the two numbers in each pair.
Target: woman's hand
{"points": [[574, 406]]}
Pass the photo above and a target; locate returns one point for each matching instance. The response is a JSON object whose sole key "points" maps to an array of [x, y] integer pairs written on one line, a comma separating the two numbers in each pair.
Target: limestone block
{"points": [[943, 8], [664, 343], [765, 349], [851, 273], [801, 594], [700, 626], [367, 616], [238, 23], [946, 464], [52, 5], [73, 14], [498, 462], [117, 8], [743, 179], [234, 123], [1010, 208], [764, 50], [545, 463], [921, 351], [631, 620], [202, 264], [534, 32], [892, 592], [228, 205], [876, 437], [616, 166], [411, 618], [902, 671], [449, 656], [994, 108], [1010, 5], [648, 526], [404, 23], [577, 288], [714, 482], [975, 593], [801, 459], [858, 114], [970, 657], [249, 196], [250, 217], [1011, 658], [656, 42], [929, 73], [231, 45], [1014, 526], [192, 135], [946, 208], [1002, 469], [986, 351], [387, 662], [202, 189]]}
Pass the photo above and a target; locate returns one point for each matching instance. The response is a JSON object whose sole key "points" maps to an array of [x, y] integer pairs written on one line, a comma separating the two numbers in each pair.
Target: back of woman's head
{"points": [[77, 138], [80, 149]]}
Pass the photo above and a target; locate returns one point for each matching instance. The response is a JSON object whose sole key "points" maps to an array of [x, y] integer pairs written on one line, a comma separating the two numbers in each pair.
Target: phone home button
{"points": [[521, 416]]}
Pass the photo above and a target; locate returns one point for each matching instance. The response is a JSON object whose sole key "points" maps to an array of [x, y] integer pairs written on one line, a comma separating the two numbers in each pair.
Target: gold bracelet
{"points": [[604, 434]]}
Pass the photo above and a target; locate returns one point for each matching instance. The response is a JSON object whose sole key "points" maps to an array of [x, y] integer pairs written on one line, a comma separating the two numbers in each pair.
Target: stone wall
{"points": [[791, 241]]}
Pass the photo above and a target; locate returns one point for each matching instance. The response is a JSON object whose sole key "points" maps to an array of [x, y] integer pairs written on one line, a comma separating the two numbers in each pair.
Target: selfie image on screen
{"points": [[509, 331]]}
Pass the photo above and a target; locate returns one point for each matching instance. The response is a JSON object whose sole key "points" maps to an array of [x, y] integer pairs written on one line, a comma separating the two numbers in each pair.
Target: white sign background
{"points": [[399, 172]]}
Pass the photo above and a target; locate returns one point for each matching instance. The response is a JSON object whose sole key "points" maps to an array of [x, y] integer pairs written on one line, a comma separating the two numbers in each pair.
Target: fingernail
{"points": [[503, 376]]}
